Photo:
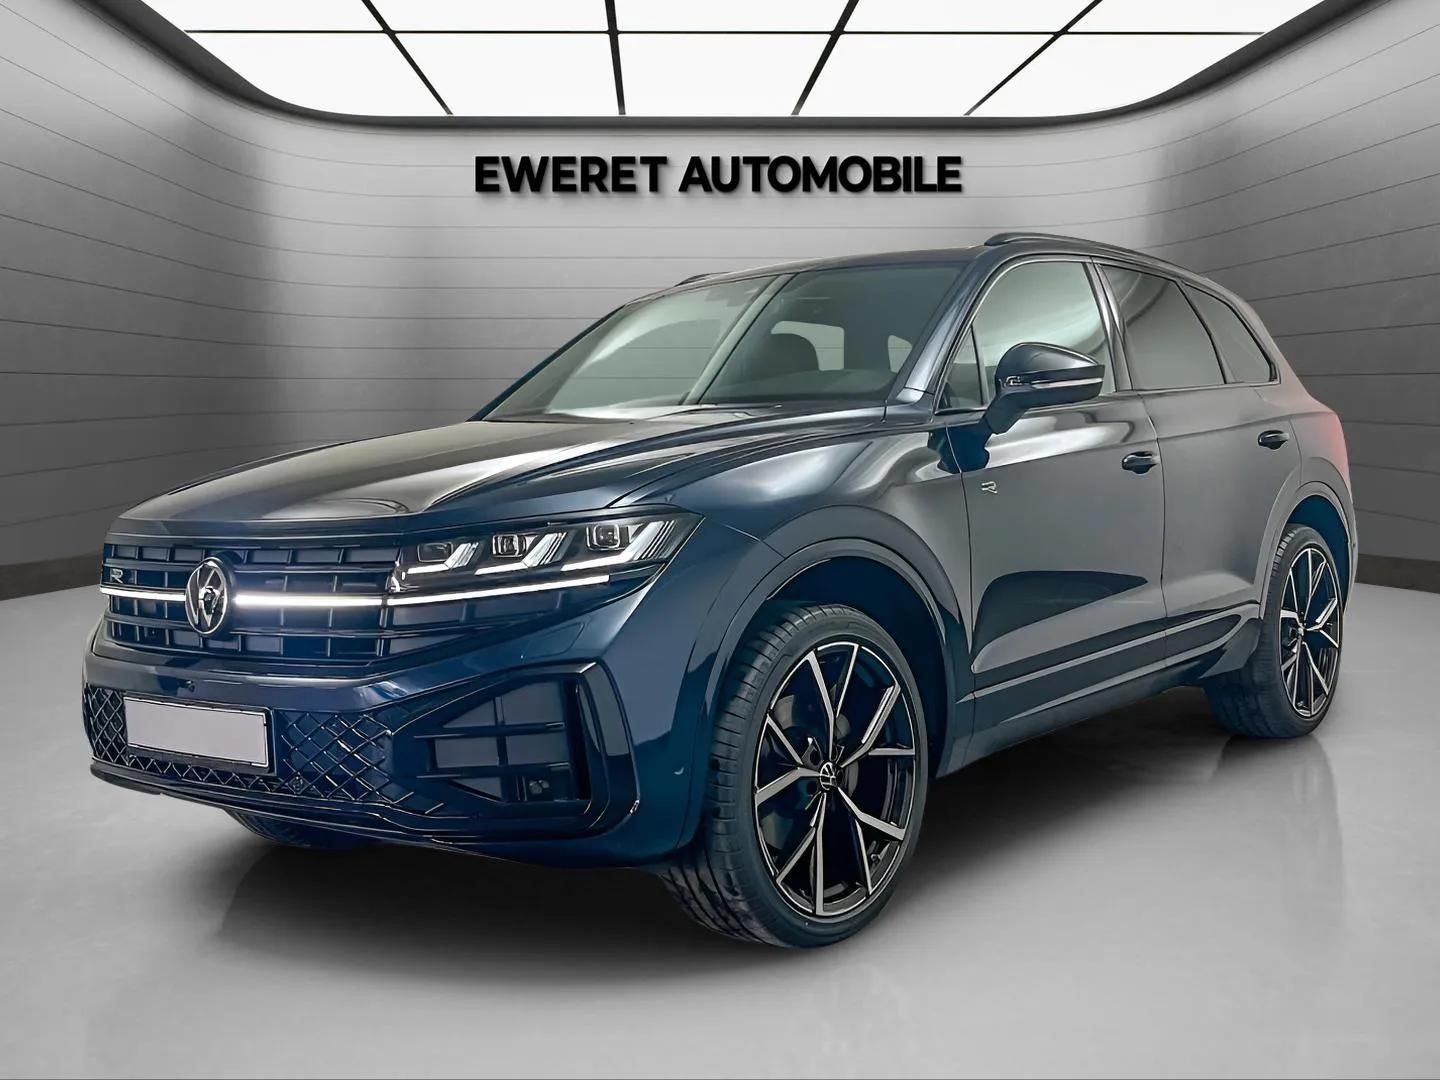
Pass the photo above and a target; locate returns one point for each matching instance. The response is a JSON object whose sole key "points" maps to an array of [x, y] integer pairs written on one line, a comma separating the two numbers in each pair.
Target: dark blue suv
{"points": [[720, 587]]}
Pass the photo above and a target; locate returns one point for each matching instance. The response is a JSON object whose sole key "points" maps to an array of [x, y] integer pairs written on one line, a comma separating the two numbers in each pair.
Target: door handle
{"points": [[1142, 461], [1273, 439]]}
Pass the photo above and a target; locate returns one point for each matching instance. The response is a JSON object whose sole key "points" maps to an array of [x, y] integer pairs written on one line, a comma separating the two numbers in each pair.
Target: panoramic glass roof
{"points": [[721, 57]]}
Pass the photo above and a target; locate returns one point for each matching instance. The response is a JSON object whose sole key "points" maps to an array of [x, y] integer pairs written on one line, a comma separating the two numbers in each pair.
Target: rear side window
{"points": [[1243, 356], [1166, 346]]}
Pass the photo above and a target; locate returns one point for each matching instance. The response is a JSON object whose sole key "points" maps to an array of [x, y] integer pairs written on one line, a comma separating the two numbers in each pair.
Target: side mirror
{"points": [[1031, 375]]}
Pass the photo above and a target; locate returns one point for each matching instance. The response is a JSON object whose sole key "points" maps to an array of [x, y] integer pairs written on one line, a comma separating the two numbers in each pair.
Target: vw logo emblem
{"points": [[207, 597]]}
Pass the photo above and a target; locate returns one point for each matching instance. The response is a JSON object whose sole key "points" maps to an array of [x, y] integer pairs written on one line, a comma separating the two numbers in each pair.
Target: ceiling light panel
{"points": [[915, 75], [716, 74], [518, 74], [1211, 16], [953, 16], [266, 14], [348, 73], [403, 15], [1089, 73], [734, 15]]}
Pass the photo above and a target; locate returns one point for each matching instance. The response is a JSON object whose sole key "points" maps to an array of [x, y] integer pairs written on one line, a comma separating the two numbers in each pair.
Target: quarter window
{"points": [[962, 381], [1166, 346], [1243, 356], [1048, 302]]}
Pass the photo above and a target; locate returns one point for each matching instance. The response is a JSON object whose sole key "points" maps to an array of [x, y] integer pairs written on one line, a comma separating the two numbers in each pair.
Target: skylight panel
{"points": [[444, 15], [1211, 16], [915, 75], [1090, 73], [518, 74], [346, 73], [716, 74], [266, 14], [945, 16], [729, 15]]}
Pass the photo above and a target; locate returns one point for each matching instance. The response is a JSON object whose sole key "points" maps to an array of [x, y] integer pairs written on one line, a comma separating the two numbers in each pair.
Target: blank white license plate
{"points": [[204, 731]]}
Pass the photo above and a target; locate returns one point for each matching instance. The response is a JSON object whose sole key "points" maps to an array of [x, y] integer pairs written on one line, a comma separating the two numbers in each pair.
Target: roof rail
{"points": [[694, 277], [1015, 237], [1002, 238]]}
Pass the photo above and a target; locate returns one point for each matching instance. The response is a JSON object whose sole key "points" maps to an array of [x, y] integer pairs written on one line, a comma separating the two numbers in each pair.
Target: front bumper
{"points": [[595, 767], [537, 754]]}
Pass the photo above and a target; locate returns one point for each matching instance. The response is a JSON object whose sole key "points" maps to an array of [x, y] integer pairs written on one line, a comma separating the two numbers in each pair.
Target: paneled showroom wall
{"points": [[188, 281]]}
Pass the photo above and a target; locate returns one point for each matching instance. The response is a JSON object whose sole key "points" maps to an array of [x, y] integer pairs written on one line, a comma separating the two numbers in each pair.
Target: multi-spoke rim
{"points": [[1311, 611], [834, 779]]}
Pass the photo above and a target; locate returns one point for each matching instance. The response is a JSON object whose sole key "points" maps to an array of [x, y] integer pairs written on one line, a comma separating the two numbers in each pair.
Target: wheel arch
{"points": [[1316, 504], [900, 606], [803, 571], [1321, 514]]}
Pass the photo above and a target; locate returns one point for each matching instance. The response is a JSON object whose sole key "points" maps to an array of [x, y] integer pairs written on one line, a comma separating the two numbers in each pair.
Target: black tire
{"points": [[728, 880], [293, 834], [1257, 700]]}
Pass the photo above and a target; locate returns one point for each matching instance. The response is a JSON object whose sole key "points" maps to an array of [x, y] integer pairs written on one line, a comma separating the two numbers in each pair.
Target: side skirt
{"points": [[1072, 692]]}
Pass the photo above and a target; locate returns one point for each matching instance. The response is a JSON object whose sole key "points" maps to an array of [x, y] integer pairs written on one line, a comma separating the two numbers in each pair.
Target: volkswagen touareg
{"points": [[721, 587]]}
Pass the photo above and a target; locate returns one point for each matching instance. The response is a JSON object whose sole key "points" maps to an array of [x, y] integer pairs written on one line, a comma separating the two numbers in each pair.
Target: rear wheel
{"points": [[1286, 687], [818, 778], [293, 834]]}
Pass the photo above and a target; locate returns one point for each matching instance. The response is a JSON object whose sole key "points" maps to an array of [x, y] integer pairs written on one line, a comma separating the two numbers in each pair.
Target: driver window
{"points": [[1049, 302]]}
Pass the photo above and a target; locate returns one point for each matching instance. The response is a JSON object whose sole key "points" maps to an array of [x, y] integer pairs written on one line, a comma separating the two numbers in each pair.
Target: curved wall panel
{"points": [[188, 281]]}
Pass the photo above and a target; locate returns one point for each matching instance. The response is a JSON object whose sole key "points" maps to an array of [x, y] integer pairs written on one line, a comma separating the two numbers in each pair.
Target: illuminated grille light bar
{"points": [[296, 600]]}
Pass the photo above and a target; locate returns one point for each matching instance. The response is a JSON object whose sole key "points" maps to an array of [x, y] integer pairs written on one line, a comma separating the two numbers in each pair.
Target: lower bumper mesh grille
{"points": [[337, 756]]}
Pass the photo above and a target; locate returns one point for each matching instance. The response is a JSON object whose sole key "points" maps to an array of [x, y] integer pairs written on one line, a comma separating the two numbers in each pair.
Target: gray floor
{"points": [[1139, 895]]}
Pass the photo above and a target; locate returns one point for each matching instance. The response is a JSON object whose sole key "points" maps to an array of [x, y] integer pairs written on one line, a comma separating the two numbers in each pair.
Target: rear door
{"points": [[1066, 511], [1227, 457]]}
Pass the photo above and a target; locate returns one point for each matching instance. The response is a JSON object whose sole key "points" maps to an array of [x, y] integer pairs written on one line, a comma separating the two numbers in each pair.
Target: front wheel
{"points": [[818, 776], [1285, 688]]}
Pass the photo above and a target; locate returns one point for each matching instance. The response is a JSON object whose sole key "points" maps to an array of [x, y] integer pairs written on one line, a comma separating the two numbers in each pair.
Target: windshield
{"points": [[818, 335]]}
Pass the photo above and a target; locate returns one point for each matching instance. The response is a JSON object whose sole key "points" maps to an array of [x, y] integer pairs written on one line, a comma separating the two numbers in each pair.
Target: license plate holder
{"points": [[235, 738]]}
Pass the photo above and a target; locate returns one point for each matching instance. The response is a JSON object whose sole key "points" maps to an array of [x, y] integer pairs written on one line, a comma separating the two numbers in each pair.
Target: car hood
{"points": [[479, 470]]}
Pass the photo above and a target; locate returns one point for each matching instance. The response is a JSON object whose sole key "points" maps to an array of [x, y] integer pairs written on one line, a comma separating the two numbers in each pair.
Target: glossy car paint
{"points": [[1055, 582]]}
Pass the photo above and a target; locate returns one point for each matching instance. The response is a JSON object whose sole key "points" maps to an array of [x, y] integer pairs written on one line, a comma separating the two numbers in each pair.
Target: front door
{"points": [[1066, 516]]}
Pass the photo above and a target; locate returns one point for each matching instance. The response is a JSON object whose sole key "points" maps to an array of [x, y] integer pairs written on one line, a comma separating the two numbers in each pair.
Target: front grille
{"points": [[305, 635], [343, 757]]}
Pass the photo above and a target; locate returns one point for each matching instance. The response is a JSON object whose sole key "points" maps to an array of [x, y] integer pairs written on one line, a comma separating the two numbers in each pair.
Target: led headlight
{"points": [[507, 561]]}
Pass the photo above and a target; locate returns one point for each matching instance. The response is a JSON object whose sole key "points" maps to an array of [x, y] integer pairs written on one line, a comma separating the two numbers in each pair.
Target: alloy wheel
{"points": [[1310, 627], [834, 779]]}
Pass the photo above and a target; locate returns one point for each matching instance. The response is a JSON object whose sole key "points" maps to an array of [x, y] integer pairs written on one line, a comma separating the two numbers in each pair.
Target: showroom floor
{"points": [[1139, 895]]}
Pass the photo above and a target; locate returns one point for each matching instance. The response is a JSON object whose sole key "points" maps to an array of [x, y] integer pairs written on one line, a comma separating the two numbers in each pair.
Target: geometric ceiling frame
{"points": [[151, 26]]}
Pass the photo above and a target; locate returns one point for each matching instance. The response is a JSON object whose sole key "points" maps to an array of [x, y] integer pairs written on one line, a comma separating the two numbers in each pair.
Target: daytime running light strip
{"points": [[296, 600], [170, 596]]}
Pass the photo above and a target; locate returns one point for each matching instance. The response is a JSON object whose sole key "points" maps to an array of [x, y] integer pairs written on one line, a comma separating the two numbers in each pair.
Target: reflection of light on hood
{"points": [[335, 509], [805, 470], [442, 483], [644, 412]]}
